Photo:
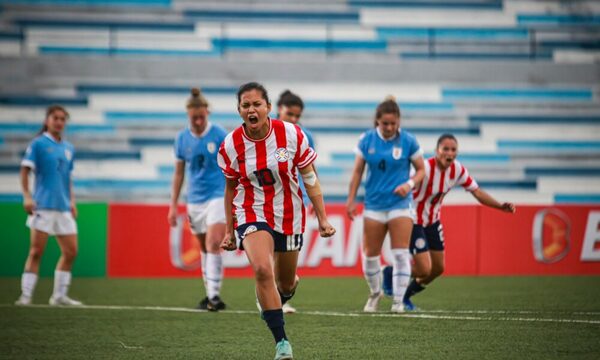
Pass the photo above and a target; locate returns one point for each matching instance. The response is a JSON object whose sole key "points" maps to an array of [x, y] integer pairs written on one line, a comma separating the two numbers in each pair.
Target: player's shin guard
{"points": [[371, 269], [214, 274], [274, 320], [401, 275], [413, 288]]}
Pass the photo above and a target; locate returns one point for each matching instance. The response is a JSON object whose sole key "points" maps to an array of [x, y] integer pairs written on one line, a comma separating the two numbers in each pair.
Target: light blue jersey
{"points": [[205, 179], [388, 165], [52, 163], [311, 144]]}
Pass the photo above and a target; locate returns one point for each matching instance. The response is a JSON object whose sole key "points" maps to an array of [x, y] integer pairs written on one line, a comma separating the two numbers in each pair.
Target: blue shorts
{"points": [[427, 238], [282, 242]]}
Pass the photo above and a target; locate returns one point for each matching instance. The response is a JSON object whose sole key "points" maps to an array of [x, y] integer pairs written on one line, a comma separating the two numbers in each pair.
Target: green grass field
{"points": [[462, 318]]}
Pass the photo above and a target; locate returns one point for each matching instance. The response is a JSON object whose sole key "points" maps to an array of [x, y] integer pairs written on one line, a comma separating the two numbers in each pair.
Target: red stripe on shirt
{"points": [[268, 190], [468, 182], [288, 205], [428, 191], [299, 139], [228, 171], [240, 149], [452, 170], [437, 198]]}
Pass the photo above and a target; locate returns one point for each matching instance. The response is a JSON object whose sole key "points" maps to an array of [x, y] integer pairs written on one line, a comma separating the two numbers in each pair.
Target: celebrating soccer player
{"points": [[388, 151], [263, 202], [197, 146], [442, 173], [51, 209]]}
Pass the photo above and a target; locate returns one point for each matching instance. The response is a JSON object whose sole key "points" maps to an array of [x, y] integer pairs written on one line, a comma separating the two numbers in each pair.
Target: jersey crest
{"points": [[282, 154], [397, 153]]}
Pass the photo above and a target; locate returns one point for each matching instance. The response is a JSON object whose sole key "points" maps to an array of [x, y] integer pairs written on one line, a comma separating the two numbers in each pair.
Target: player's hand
{"points": [[325, 229], [351, 210], [29, 205], [509, 208], [402, 190], [74, 211], [172, 217], [229, 242]]}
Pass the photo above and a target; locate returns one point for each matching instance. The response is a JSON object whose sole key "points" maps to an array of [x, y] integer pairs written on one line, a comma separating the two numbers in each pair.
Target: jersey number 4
{"points": [[381, 165], [265, 177]]}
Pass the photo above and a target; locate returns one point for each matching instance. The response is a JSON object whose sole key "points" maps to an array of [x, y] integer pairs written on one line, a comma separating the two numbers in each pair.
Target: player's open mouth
{"points": [[253, 119]]}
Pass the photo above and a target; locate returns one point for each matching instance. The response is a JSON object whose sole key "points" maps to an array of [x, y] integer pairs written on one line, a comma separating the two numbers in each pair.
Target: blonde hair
{"points": [[196, 100]]}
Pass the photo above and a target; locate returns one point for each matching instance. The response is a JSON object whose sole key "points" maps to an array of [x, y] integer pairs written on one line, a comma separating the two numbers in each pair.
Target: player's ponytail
{"points": [[288, 98], [196, 100], [387, 106], [49, 111]]}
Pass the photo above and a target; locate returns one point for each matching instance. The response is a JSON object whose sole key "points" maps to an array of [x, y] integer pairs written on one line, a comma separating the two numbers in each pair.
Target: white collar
{"points": [[382, 137], [206, 130], [49, 136]]}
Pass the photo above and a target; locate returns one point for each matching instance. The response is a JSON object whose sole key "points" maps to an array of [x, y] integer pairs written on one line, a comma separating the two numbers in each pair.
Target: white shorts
{"points": [[206, 214], [53, 222], [385, 216]]}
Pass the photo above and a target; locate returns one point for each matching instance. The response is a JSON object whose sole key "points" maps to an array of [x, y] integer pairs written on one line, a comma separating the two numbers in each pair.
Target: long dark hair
{"points": [[387, 106], [49, 110], [252, 86], [444, 137]]}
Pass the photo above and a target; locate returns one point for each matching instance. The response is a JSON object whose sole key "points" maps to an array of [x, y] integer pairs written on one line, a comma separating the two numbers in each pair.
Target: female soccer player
{"points": [[388, 152], [197, 146], [289, 109], [52, 209], [263, 202], [442, 173]]}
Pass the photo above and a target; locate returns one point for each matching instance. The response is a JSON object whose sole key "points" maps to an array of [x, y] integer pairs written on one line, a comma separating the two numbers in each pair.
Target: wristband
{"points": [[411, 183]]}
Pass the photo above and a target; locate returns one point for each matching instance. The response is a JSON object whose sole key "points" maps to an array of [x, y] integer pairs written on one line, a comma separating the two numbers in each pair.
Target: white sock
{"points": [[372, 269], [62, 280], [203, 266], [401, 274], [28, 282], [214, 274]]}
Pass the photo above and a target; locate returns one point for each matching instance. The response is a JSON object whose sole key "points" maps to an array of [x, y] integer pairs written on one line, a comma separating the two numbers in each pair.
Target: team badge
{"points": [[397, 153], [68, 154], [282, 154], [371, 151], [250, 229], [211, 147], [420, 243]]}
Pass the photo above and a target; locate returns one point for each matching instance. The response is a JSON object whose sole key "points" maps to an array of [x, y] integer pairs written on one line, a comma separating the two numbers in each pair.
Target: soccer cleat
{"points": [[216, 304], [397, 307], [203, 304], [409, 306], [64, 301], [283, 350], [372, 303], [23, 301], [386, 283], [288, 309]]}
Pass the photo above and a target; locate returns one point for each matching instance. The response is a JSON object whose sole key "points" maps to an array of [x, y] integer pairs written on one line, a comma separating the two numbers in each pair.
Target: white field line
{"points": [[420, 315]]}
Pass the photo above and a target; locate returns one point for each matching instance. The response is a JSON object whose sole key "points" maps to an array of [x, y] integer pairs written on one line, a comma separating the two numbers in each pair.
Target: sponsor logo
{"points": [[371, 151], [397, 153], [591, 241], [211, 147], [68, 154], [420, 243], [250, 229], [551, 235], [282, 154]]}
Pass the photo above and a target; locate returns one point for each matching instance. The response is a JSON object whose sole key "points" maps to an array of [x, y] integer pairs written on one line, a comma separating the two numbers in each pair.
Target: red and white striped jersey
{"points": [[428, 196], [266, 171]]}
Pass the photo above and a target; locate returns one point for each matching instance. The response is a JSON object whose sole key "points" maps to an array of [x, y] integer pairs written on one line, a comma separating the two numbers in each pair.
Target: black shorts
{"points": [[283, 243], [427, 238]]}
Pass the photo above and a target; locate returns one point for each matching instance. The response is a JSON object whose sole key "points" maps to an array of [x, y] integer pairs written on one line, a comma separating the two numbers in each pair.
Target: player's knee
{"points": [[437, 270], [421, 272], [263, 273], [36, 252], [69, 254]]}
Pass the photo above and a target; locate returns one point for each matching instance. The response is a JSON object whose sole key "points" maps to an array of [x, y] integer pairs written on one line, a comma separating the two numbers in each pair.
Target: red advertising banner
{"points": [[479, 241]]}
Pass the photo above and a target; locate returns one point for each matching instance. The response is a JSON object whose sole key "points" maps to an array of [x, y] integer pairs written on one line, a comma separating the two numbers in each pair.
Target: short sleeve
{"points": [[466, 180], [226, 165], [415, 150], [361, 147], [30, 157], [307, 154], [178, 148]]}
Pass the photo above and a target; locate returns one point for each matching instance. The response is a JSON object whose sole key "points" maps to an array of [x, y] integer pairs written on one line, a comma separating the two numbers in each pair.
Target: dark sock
{"points": [[285, 298], [274, 320], [413, 288]]}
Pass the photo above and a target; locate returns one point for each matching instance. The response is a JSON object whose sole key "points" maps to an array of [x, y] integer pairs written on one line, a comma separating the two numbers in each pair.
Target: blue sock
{"points": [[413, 288], [274, 320]]}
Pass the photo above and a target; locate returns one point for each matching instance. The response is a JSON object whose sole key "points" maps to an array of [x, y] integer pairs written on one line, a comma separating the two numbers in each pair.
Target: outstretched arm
{"points": [[486, 199]]}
